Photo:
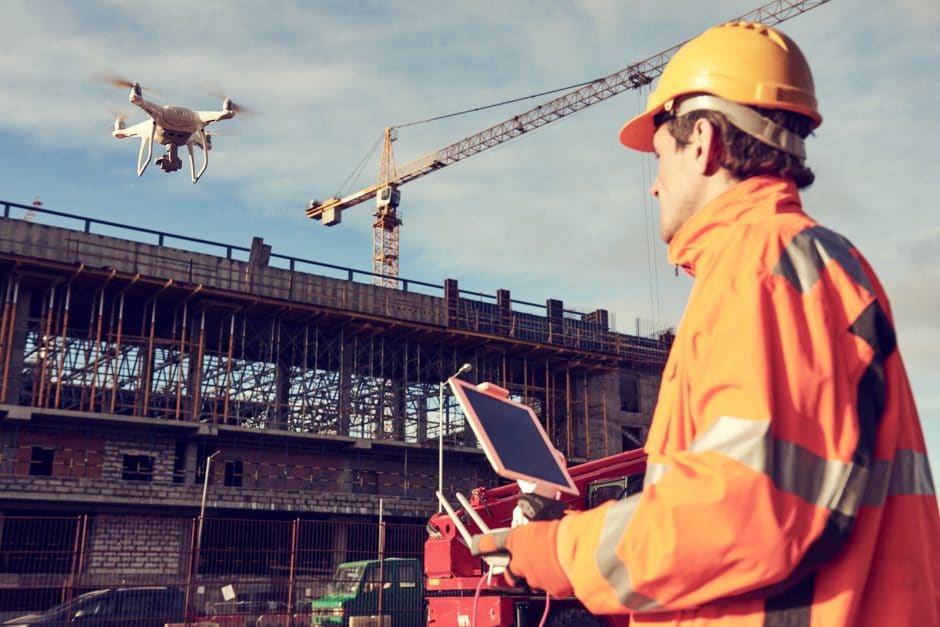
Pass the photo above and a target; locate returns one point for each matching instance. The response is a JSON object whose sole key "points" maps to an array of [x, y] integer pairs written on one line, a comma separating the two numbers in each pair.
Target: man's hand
{"points": [[535, 507], [489, 546], [492, 543], [533, 558]]}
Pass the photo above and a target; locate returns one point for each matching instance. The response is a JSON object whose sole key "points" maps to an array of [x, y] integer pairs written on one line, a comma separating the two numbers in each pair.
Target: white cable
{"points": [[545, 611], [476, 599]]}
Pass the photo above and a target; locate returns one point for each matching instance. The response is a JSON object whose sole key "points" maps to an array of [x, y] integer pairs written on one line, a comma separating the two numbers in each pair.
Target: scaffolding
{"points": [[124, 347]]}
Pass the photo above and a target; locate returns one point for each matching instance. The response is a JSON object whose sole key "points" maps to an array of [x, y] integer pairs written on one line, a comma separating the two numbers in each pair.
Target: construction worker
{"points": [[788, 482]]}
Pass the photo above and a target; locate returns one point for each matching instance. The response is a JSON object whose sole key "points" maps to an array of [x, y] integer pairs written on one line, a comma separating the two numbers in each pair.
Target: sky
{"points": [[563, 212]]}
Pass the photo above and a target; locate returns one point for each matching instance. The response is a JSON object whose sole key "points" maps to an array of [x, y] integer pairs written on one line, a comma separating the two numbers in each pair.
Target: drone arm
{"points": [[146, 144], [208, 117], [149, 108]]}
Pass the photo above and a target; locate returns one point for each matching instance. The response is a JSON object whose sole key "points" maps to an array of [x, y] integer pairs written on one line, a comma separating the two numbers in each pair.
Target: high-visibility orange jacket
{"points": [[788, 482]]}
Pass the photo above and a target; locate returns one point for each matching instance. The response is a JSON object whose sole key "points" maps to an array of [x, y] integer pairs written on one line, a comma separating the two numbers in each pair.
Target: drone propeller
{"points": [[120, 115], [120, 119], [227, 103], [237, 108], [115, 79]]}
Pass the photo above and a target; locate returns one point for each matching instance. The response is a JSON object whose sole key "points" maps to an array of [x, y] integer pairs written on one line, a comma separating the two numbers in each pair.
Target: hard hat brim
{"points": [[638, 132]]}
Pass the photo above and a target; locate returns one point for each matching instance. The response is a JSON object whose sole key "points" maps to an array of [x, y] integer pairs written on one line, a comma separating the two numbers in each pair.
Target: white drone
{"points": [[171, 127]]}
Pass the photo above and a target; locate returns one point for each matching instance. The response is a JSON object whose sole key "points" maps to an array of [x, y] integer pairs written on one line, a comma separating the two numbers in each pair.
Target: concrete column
{"points": [[257, 259], [345, 381], [614, 401], [189, 463], [15, 378], [422, 419], [401, 408], [504, 306], [282, 392], [452, 301], [554, 310]]}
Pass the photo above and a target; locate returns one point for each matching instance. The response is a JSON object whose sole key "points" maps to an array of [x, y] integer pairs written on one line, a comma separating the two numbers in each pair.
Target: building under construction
{"points": [[146, 387]]}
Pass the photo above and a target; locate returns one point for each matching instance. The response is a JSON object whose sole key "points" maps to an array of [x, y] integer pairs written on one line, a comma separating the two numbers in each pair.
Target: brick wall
{"points": [[161, 450], [334, 476], [137, 545], [74, 455]]}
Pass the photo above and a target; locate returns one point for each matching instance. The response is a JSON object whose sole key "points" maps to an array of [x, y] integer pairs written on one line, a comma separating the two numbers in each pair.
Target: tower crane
{"points": [[386, 192]]}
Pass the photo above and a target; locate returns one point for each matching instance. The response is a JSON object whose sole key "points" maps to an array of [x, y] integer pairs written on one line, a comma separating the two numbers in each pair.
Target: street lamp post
{"points": [[202, 508], [194, 558], [440, 432]]}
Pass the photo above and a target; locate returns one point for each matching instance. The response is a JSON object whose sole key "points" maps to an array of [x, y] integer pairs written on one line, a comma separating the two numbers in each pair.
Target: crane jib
{"points": [[633, 76]]}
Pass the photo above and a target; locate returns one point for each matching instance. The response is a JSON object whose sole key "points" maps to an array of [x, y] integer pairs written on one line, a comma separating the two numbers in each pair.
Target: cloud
{"points": [[921, 12]]}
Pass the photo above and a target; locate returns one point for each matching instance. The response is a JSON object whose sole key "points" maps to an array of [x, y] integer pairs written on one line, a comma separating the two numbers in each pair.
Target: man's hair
{"points": [[745, 156]]}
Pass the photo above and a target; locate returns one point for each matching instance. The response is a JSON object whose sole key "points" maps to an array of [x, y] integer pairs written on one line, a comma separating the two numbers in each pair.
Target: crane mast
{"points": [[386, 192], [385, 227]]}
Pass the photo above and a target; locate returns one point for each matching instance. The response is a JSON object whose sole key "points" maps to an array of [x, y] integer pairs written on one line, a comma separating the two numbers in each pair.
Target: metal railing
{"points": [[231, 251]]}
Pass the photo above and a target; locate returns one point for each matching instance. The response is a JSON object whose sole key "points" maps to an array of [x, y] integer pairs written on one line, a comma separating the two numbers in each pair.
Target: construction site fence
{"points": [[233, 572]]}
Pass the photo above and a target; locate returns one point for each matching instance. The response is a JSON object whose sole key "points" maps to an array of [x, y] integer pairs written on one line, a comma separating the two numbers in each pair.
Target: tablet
{"points": [[512, 437]]}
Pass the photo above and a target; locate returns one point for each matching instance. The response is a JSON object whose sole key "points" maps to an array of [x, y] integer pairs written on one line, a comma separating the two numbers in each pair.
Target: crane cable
{"points": [[357, 171], [649, 216], [497, 104], [353, 177]]}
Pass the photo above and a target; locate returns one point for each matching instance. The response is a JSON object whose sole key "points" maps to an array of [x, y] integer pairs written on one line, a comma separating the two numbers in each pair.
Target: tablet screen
{"points": [[512, 438]]}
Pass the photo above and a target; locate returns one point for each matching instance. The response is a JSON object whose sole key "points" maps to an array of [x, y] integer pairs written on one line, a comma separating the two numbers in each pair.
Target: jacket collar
{"points": [[751, 200]]}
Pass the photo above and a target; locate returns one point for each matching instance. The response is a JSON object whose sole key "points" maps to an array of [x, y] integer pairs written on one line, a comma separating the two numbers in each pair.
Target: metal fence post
{"points": [[295, 532]]}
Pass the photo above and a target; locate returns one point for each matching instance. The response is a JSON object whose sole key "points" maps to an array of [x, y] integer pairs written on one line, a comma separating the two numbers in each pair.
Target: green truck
{"points": [[380, 593]]}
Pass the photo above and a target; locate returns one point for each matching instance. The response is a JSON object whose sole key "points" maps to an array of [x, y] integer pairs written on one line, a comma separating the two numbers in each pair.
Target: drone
{"points": [[171, 127]]}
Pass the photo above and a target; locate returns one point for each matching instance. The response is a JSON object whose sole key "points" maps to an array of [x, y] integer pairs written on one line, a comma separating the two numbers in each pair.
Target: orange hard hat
{"points": [[741, 62]]}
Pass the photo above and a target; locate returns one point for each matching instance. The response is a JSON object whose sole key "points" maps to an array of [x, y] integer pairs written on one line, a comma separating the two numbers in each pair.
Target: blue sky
{"points": [[561, 213]]}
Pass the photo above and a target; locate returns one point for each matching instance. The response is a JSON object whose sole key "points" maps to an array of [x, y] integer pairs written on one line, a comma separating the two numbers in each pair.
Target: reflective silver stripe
{"points": [[832, 484], [740, 439], [835, 485], [911, 474], [808, 253], [907, 474], [615, 572], [654, 472]]}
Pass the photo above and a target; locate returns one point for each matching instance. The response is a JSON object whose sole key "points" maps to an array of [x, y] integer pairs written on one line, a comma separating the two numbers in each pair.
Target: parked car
{"points": [[151, 606]]}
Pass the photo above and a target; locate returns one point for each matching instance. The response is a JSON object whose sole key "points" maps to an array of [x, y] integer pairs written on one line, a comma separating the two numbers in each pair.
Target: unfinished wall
{"points": [[137, 548]]}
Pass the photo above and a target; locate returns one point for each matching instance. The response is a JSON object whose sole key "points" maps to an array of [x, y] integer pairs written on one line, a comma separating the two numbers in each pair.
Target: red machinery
{"points": [[453, 575]]}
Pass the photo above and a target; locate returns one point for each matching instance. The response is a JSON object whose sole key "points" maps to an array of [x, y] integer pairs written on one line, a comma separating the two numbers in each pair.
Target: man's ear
{"points": [[706, 142]]}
